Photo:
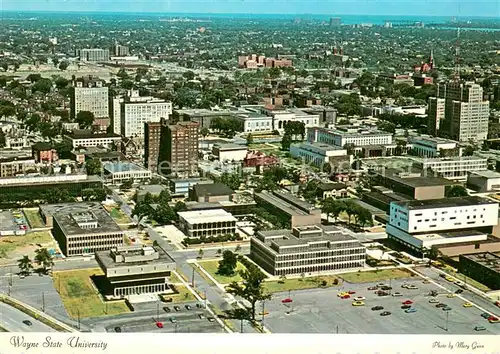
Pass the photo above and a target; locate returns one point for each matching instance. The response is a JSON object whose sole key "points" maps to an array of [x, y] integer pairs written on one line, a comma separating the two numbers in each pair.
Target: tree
{"points": [[25, 265], [127, 184], [286, 141], [44, 258], [200, 254], [63, 65], [219, 252], [455, 191], [237, 249], [42, 85], [249, 139], [204, 132], [55, 61], [251, 288], [227, 265], [93, 167], [85, 119], [2, 138], [188, 75]]}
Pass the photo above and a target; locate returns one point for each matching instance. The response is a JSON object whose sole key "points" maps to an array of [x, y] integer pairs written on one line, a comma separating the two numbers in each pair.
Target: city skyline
{"points": [[484, 8]]}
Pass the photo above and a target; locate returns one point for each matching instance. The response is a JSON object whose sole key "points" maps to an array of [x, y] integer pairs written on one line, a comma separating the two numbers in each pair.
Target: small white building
{"points": [[254, 122], [316, 153], [484, 181], [357, 136], [214, 222], [85, 138], [119, 172], [433, 147], [454, 168], [230, 152]]}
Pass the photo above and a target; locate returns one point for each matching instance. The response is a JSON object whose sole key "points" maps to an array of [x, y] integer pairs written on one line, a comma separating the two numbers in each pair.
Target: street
{"points": [[12, 320]]}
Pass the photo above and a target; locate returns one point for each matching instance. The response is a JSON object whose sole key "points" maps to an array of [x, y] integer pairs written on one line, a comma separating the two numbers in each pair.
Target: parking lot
{"points": [[12, 223], [322, 311], [183, 321]]}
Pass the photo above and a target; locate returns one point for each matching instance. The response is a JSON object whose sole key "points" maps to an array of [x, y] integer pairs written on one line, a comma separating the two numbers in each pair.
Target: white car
{"points": [[433, 301], [359, 298], [397, 294]]}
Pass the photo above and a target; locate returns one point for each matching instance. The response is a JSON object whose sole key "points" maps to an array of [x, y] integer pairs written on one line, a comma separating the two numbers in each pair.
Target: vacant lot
{"points": [[212, 267], [375, 275], [10, 244], [298, 284], [81, 298], [34, 219]]}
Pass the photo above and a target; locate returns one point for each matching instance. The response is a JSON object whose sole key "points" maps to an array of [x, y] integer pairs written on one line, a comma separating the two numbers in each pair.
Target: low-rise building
{"points": [[306, 249], [292, 210], [209, 193], [454, 168], [135, 270], [153, 189], [317, 153], [86, 138], [255, 122], [483, 267], [207, 223], [181, 186], [119, 172], [421, 224], [332, 190], [44, 153], [484, 181], [82, 228], [434, 147], [355, 136], [16, 164], [230, 152]]}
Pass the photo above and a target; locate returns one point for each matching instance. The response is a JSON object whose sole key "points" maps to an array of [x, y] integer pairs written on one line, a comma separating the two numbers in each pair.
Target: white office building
{"points": [[356, 136], [282, 117], [93, 54], [421, 224], [137, 110], [205, 223], [230, 152], [88, 139], [255, 122], [434, 147], [454, 168], [92, 98], [316, 153], [119, 172]]}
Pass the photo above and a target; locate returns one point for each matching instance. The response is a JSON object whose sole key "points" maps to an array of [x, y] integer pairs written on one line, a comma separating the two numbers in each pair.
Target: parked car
{"points": [[287, 300], [201, 316], [493, 319], [359, 298], [166, 309], [373, 288], [188, 307], [485, 315], [411, 310], [407, 302], [412, 287], [27, 322], [211, 319], [386, 287], [446, 308], [479, 328], [173, 319], [467, 304], [118, 329], [346, 297], [358, 303], [377, 308], [450, 296], [350, 292], [177, 308], [406, 307], [397, 294], [441, 305], [433, 301], [198, 305], [385, 313], [159, 324], [459, 291]]}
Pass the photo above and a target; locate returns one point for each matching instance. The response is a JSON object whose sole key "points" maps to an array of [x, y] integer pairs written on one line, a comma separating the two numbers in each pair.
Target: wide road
{"points": [[12, 320]]}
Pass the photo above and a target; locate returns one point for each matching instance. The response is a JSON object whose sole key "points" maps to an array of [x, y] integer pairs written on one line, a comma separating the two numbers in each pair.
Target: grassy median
{"points": [[81, 298], [276, 286], [34, 219], [212, 266], [375, 275]]}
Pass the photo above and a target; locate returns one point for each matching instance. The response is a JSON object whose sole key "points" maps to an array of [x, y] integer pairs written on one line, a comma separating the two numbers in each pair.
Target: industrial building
{"points": [[306, 249]]}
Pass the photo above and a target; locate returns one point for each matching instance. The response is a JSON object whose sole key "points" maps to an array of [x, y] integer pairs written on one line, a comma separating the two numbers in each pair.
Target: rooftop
{"points": [[228, 147], [127, 256], [212, 189], [318, 146], [114, 167], [282, 201], [358, 132], [88, 134], [71, 216], [486, 174], [487, 259], [449, 235], [206, 216], [445, 203]]}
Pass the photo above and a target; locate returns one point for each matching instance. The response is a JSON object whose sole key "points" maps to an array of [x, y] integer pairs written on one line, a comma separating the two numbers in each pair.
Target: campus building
{"points": [[93, 54], [82, 228], [87, 138], [292, 210], [421, 224], [434, 147], [230, 152], [318, 154], [484, 181], [306, 249], [483, 267], [119, 172], [92, 98], [453, 168], [357, 137], [214, 222], [135, 270]]}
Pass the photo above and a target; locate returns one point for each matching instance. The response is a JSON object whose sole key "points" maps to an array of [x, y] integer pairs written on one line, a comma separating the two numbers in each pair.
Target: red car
{"points": [[407, 302], [346, 297], [287, 300], [159, 324], [351, 292], [492, 318]]}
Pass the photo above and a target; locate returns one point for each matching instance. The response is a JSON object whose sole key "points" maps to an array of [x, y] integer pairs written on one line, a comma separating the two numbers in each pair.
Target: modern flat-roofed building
{"points": [[87, 138], [91, 98], [254, 121], [203, 117], [82, 228], [484, 181], [289, 208], [483, 267], [182, 186], [421, 224], [211, 192], [316, 153], [283, 116], [306, 249], [230, 152], [454, 168], [135, 270], [358, 137], [434, 147], [206, 223], [119, 172], [93, 54], [152, 137]]}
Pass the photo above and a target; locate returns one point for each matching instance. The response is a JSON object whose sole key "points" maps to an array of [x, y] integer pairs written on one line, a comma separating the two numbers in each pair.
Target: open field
{"points": [[34, 219], [275, 286], [212, 267], [375, 275], [10, 244], [81, 298]]}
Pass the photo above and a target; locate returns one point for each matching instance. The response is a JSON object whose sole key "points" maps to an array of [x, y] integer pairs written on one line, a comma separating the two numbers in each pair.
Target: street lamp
{"points": [[157, 312], [447, 313]]}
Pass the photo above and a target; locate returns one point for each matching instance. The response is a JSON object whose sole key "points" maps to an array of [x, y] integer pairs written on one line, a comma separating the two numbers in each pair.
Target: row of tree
{"points": [[42, 257], [334, 207], [158, 208]]}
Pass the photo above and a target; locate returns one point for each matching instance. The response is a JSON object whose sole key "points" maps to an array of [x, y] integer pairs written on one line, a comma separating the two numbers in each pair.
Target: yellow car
{"points": [[467, 304], [450, 295], [342, 294], [358, 303], [265, 313], [450, 279]]}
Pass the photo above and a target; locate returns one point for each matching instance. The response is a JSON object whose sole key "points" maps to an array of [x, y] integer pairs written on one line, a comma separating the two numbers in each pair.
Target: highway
{"points": [[12, 320]]}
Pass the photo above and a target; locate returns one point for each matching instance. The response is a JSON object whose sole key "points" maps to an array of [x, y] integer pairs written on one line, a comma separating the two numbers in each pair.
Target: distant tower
{"points": [[456, 75], [432, 65]]}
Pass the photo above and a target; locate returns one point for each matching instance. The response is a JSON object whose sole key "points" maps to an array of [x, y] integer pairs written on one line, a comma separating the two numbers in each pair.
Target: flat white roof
{"points": [[201, 216]]}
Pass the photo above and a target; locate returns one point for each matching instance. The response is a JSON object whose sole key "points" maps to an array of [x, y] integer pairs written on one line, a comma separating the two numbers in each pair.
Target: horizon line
{"points": [[236, 13]]}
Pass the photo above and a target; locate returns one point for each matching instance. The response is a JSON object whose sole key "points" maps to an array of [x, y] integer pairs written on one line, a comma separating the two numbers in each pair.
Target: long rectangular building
{"points": [[341, 138], [306, 249], [206, 223]]}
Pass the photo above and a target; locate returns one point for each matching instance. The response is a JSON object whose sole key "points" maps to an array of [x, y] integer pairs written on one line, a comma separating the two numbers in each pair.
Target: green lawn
{"points": [[212, 266], [10, 243], [79, 296], [119, 216], [184, 295], [34, 219], [375, 275], [298, 284]]}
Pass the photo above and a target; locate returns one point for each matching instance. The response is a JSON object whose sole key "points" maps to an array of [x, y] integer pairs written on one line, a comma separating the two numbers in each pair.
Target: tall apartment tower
{"points": [[93, 54], [116, 114], [152, 135], [94, 97], [179, 149], [121, 50], [459, 112]]}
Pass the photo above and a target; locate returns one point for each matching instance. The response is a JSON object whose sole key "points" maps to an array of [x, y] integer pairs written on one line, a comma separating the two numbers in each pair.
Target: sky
{"points": [[466, 8]]}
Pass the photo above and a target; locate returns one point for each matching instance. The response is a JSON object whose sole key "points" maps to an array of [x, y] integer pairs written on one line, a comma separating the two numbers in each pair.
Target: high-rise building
{"points": [[459, 112], [94, 54], [92, 98], [116, 115], [152, 135], [179, 149], [121, 50], [137, 110]]}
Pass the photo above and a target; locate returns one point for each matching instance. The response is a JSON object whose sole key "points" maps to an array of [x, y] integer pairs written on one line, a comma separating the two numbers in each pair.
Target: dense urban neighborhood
{"points": [[184, 174]]}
